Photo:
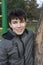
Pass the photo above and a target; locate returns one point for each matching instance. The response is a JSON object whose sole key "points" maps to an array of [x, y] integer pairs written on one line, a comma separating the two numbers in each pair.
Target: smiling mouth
{"points": [[19, 30]]}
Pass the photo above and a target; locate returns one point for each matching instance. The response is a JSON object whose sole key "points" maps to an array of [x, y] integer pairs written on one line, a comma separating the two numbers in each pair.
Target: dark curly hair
{"points": [[16, 13]]}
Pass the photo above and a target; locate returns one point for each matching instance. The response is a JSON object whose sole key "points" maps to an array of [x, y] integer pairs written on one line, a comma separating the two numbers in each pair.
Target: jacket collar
{"points": [[10, 34]]}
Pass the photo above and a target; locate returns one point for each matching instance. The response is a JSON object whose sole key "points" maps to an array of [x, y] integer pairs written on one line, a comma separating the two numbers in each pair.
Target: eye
{"points": [[14, 22], [22, 21]]}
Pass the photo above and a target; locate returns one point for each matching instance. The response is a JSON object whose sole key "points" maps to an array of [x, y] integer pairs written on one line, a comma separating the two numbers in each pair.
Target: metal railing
{"points": [[3, 16]]}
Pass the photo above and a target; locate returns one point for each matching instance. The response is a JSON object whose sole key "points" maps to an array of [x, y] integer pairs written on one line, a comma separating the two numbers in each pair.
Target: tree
{"points": [[30, 6], [32, 9], [15, 3], [42, 7]]}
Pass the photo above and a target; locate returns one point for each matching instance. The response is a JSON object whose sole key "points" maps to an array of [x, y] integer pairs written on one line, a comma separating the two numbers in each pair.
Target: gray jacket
{"points": [[16, 50]]}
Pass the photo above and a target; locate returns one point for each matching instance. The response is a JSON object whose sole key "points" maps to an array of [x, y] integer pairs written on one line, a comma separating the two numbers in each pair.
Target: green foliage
{"points": [[32, 10], [30, 6], [15, 3], [0, 0]]}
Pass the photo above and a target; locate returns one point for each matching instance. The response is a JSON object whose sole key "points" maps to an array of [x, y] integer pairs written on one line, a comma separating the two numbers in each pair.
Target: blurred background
{"points": [[33, 8]]}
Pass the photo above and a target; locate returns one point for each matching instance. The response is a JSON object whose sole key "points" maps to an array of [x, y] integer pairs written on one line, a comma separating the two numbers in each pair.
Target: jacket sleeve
{"points": [[3, 56]]}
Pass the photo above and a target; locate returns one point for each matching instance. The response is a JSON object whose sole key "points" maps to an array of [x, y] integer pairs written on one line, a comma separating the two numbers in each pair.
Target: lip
{"points": [[19, 30]]}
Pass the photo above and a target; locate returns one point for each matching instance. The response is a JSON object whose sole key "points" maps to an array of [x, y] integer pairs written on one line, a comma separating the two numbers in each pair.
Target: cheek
{"points": [[24, 25], [13, 26]]}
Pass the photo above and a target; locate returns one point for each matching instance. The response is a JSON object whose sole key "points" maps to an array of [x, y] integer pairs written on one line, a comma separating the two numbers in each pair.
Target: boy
{"points": [[16, 47]]}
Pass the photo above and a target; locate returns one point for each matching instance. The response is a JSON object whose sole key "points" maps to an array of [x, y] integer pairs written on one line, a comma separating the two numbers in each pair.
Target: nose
{"points": [[19, 24]]}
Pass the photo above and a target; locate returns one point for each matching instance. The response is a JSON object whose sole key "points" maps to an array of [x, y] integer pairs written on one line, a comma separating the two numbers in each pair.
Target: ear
{"points": [[10, 25]]}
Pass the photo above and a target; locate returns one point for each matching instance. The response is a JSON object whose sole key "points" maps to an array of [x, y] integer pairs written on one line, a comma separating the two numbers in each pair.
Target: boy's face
{"points": [[17, 25]]}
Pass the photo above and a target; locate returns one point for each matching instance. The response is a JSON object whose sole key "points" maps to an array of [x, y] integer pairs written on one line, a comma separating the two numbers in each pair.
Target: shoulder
{"points": [[4, 43], [30, 32], [8, 35]]}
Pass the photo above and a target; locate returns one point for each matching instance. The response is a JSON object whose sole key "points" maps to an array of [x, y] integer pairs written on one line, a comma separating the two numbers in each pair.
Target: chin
{"points": [[19, 33]]}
